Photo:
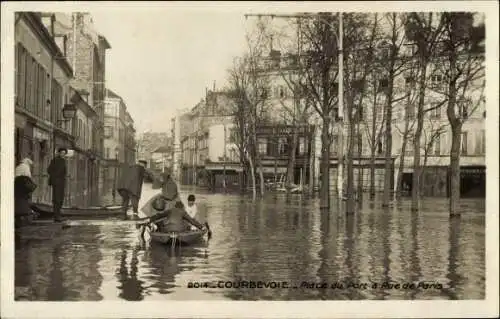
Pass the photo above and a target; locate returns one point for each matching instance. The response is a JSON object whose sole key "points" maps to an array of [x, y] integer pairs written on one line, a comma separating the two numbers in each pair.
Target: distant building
{"points": [[208, 154], [162, 158], [148, 142], [119, 136]]}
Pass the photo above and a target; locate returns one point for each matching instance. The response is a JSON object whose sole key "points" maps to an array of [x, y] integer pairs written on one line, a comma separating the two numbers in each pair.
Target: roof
{"points": [[105, 42], [163, 149], [113, 95], [35, 21]]}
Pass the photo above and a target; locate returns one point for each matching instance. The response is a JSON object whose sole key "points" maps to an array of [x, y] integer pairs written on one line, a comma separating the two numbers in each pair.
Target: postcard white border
{"points": [[255, 309]]}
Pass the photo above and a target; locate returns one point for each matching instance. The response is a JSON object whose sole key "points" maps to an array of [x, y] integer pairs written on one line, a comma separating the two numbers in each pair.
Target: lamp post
{"points": [[224, 162]]}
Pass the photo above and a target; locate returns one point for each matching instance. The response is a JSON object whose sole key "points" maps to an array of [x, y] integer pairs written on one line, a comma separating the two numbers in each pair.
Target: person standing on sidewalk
{"points": [[57, 180]]}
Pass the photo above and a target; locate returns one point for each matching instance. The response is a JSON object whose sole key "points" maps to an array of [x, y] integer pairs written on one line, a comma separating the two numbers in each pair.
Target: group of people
{"points": [[166, 207], [24, 186]]}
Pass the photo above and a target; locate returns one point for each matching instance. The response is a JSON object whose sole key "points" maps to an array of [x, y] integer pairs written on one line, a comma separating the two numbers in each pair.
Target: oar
{"points": [[209, 230]]}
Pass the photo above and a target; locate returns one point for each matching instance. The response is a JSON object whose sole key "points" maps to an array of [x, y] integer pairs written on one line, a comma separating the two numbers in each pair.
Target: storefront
{"points": [[473, 181]]}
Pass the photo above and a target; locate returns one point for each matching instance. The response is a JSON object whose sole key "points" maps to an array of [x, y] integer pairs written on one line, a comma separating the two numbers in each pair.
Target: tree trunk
{"points": [[252, 173], [415, 192], [372, 174], [360, 167], [305, 165], [311, 149], [456, 131], [388, 177], [325, 164], [401, 168], [291, 162], [350, 206]]}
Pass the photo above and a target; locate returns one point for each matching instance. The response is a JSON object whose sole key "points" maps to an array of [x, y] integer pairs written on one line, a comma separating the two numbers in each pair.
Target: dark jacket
{"points": [[23, 188], [131, 179], [175, 220], [57, 171], [169, 189]]}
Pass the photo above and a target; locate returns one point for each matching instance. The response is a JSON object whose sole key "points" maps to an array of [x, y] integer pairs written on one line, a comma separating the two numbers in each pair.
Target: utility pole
{"points": [[339, 39], [224, 162]]}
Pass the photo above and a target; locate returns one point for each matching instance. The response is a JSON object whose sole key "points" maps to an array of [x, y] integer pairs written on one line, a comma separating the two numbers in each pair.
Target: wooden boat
{"points": [[46, 211], [183, 238]]}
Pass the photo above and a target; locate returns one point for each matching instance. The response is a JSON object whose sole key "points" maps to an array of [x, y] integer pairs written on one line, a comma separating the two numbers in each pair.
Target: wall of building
{"points": [[39, 101]]}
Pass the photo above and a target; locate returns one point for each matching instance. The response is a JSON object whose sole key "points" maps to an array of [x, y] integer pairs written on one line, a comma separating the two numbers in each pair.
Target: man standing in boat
{"points": [[57, 180], [130, 186], [169, 189]]}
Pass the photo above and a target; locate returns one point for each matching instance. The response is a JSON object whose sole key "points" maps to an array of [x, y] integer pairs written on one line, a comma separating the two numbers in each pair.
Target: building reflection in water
{"points": [[131, 288], [63, 269]]}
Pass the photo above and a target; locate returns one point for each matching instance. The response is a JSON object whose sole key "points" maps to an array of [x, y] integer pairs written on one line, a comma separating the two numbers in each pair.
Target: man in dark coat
{"points": [[169, 189], [57, 179], [130, 186]]}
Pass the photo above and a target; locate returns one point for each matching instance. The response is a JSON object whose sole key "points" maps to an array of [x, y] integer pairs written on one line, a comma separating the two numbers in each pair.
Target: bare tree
{"points": [[319, 65], [463, 53], [361, 33], [393, 65], [432, 133], [373, 130], [249, 87]]}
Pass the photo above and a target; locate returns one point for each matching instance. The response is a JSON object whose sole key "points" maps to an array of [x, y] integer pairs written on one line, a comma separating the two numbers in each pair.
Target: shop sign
{"points": [[40, 135]]}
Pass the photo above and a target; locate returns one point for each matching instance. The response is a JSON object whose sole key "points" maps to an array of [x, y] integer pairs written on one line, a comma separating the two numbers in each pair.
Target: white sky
{"points": [[163, 59]]}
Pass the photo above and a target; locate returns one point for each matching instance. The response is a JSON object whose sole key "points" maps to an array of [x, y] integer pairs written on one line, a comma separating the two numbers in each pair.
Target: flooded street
{"points": [[271, 240]]}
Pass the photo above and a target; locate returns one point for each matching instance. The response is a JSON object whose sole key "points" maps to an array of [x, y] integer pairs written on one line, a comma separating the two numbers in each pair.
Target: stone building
{"points": [[86, 53], [119, 137], [42, 91]]}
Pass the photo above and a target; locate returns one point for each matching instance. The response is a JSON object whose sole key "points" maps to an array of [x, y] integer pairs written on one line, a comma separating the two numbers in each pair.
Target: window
{"points": [[262, 146], [437, 146], [29, 72], [481, 143], [435, 111], [436, 80], [21, 85], [282, 92], [463, 105], [56, 103], [383, 84], [233, 135], [357, 144], [108, 131], [302, 145], [107, 152], [358, 85], [410, 111], [334, 146], [264, 93], [380, 148], [464, 143], [409, 80], [283, 146]]}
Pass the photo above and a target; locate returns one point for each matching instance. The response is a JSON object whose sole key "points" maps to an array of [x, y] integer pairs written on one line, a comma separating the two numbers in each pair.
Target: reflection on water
{"points": [[271, 240]]}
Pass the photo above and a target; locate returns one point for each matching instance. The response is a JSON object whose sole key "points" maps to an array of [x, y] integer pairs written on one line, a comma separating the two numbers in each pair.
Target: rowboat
{"points": [[183, 238], [45, 211]]}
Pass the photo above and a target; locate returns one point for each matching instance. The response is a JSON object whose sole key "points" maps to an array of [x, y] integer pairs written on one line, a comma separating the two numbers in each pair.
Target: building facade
{"points": [[42, 90], [86, 53], [84, 177], [119, 137]]}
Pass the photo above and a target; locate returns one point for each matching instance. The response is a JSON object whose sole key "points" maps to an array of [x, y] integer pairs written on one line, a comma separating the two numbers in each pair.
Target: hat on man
{"points": [[62, 149]]}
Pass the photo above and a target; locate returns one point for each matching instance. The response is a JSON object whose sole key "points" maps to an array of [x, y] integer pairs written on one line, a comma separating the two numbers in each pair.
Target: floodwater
{"points": [[311, 254]]}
